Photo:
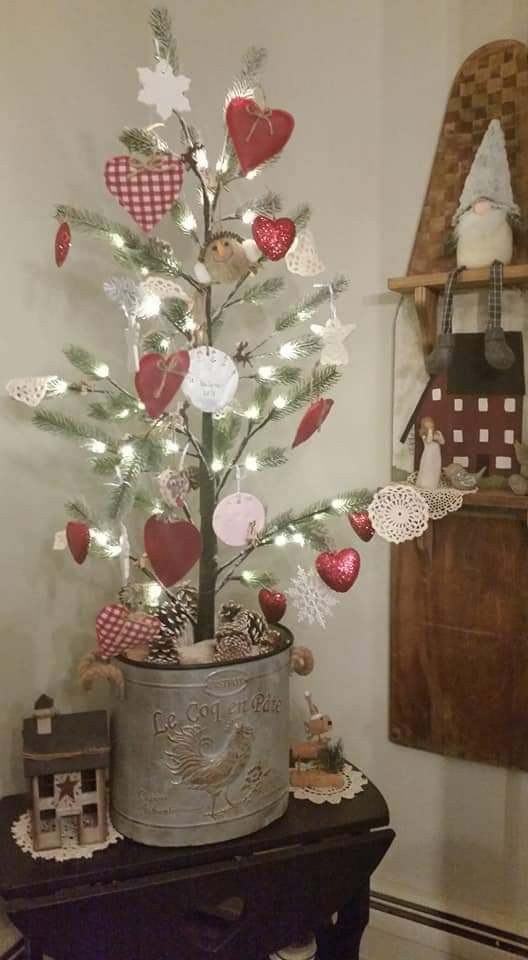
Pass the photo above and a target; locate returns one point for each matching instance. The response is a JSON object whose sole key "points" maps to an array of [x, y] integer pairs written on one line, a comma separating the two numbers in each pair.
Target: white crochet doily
{"points": [[302, 257], [398, 512], [29, 390], [70, 849], [355, 782], [445, 499]]}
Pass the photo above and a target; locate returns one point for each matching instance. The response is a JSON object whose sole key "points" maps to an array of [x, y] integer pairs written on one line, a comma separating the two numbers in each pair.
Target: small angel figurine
{"points": [[430, 467]]}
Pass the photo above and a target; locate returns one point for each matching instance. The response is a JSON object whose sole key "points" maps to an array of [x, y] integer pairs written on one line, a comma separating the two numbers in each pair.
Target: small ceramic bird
{"points": [[226, 258], [460, 478]]}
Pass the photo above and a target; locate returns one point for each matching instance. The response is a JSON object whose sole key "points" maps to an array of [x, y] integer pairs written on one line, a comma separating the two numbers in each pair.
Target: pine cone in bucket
{"points": [[271, 641], [251, 623], [163, 650], [229, 611], [231, 644]]}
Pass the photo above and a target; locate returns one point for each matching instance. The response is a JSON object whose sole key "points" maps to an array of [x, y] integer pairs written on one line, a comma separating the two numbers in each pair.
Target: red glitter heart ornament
{"points": [[273, 237], [258, 133], [339, 570], [172, 548], [78, 538], [117, 628], [359, 520], [147, 189], [273, 604], [312, 420], [159, 378], [63, 241]]}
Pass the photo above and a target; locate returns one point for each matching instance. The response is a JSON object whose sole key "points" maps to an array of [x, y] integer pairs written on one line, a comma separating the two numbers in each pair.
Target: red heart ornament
{"points": [[273, 604], [359, 520], [312, 420], [62, 243], [257, 133], [117, 628], [339, 570], [273, 237], [146, 189], [78, 538], [172, 548], [159, 378]]}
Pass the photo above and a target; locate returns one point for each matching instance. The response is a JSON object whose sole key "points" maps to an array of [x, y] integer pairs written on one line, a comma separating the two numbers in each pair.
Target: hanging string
{"points": [[330, 287], [184, 454], [124, 556], [237, 475]]}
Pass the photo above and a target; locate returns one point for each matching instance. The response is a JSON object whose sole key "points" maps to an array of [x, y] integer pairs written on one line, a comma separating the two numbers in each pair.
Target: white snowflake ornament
{"points": [[311, 599], [163, 90], [333, 335]]}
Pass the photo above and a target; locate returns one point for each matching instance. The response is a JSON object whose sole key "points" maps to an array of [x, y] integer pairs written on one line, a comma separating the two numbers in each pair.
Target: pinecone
{"points": [[231, 644], [252, 624], [163, 650], [271, 641], [229, 610]]}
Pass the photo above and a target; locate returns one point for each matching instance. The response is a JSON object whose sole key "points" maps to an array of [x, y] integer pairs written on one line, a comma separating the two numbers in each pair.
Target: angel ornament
{"points": [[430, 468], [333, 335]]}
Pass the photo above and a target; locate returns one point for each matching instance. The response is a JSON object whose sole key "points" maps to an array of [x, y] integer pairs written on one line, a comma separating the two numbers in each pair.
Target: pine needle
{"points": [[263, 290], [321, 381], [161, 26], [145, 142], [309, 305], [59, 423]]}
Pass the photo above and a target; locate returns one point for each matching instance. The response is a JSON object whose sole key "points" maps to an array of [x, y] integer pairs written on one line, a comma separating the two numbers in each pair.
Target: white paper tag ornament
{"points": [[29, 390], [173, 485], [302, 257], [238, 518], [212, 379]]}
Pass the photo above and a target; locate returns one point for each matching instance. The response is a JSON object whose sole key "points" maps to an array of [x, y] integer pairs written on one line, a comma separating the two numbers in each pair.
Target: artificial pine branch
{"points": [[351, 500], [104, 464], [225, 434], [305, 347], [301, 216], [161, 26], [260, 291], [322, 379], [331, 757], [252, 65], [271, 457], [67, 427], [155, 341], [283, 374], [310, 303], [82, 360], [78, 510], [122, 499], [257, 578], [143, 141]]}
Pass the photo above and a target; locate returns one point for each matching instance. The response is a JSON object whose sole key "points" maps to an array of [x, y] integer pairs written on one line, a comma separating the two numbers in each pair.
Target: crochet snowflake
{"points": [[312, 601]]}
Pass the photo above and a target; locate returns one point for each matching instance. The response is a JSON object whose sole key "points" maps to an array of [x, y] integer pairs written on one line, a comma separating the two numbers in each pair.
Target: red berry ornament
{"points": [[359, 520], [62, 243], [273, 604]]}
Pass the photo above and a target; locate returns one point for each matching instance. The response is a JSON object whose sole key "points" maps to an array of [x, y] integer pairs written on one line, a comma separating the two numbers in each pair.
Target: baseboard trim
{"points": [[450, 923]]}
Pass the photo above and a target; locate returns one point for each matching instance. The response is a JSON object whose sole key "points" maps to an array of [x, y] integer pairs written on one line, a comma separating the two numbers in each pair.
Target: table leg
{"points": [[35, 951], [342, 940]]}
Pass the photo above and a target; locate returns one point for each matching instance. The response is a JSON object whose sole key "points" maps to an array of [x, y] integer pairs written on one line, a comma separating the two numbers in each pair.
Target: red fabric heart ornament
{"points": [[258, 133], [146, 189], [159, 378], [273, 237], [117, 628], [273, 604], [359, 520], [62, 243], [339, 570], [172, 548], [312, 420], [78, 538]]}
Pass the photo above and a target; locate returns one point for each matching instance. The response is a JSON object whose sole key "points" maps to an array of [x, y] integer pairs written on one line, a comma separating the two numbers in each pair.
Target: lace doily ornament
{"points": [[30, 390], [71, 849], [445, 499], [355, 782], [302, 257], [398, 512]]}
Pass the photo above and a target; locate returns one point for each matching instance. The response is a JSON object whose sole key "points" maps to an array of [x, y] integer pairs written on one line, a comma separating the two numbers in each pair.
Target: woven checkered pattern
{"points": [[495, 294], [117, 629], [146, 190], [493, 82]]}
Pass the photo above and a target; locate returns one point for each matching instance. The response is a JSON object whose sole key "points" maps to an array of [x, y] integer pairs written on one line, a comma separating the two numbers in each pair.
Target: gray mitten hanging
{"points": [[497, 352], [442, 353]]}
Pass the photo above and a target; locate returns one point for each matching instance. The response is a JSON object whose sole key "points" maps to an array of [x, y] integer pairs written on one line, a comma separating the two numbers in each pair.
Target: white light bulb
{"points": [[248, 216], [171, 446], [201, 158], [150, 305], [280, 402], [304, 315], [222, 164], [114, 550], [188, 222], [144, 271], [298, 538], [117, 240], [96, 446], [189, 324], [337, 504], [123, 414], [252, 412], [288, 350], [217, 465], [153, 591], [281, 540], [101, 370], [251, 462], [157, 508], [252, 174], [319, 516], [126, 451], [100, 537], [164, 343], [247, 575], [266, 373], [59, 386], [140, 406]]}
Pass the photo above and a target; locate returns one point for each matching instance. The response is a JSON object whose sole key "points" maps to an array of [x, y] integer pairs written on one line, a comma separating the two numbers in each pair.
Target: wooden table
{"points": [[133, 902]]}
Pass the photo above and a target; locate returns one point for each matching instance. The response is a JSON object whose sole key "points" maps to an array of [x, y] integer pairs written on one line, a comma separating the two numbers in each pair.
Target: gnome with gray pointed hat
{"points": [[483, 236]]}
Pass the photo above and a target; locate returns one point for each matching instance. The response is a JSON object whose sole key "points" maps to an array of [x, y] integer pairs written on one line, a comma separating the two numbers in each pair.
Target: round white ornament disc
{"points": [[238, 518], [212, 379]]}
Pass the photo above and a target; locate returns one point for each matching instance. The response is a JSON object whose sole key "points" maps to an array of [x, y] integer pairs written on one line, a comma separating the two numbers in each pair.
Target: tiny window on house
{"points": [[46, 785], [48, 821], [88, 781], [90, 812]]}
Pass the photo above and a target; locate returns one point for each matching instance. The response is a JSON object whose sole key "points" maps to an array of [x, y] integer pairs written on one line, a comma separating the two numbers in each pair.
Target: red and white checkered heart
{"points": [[147, 190], [117, 629]]}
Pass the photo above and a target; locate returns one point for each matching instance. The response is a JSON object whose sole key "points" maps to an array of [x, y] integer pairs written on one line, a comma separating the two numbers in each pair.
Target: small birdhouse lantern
{"points": [[66, 757]]}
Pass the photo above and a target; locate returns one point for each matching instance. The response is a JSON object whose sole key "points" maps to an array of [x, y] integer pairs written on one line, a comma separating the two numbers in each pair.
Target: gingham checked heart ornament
{"points": [[146, 189], [117, 628]]}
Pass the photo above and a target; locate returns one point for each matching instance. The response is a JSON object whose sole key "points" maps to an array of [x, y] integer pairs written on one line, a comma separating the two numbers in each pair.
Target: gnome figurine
{"points": [[225, 258]]}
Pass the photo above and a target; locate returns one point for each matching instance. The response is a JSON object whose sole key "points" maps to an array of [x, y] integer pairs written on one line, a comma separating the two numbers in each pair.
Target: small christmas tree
{"points": [[168, 444]]}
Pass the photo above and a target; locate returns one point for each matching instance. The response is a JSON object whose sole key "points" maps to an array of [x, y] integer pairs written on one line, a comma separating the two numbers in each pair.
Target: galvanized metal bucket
{"points": [[200, 753]]}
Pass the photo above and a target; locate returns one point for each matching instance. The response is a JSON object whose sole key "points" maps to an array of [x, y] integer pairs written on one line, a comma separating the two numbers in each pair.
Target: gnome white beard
{"points": [[483, 238]]}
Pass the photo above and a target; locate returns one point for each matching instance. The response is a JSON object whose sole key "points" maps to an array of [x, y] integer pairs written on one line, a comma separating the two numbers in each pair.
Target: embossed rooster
{"points": [[213, 773]]}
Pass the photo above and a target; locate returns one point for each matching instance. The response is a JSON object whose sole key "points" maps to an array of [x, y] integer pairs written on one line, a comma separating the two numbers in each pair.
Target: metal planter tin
{"points": [[200, 753]]}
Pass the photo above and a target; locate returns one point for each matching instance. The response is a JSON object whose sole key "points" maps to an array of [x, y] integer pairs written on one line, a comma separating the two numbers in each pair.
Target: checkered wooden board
{"points": [[492, 83]]}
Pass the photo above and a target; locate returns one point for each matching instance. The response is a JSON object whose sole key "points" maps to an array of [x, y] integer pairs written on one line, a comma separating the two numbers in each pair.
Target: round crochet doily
{"points": [[398, 512], [355, 782], [70, 849], [445, 499]]}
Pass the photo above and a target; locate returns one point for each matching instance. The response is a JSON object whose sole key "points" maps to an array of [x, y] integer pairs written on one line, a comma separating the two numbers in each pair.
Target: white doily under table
{"points": [[355, 782]]}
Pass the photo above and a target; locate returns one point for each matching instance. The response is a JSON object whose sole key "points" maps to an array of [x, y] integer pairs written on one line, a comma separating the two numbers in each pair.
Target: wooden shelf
{"points": [[500, 499], [427, 286]]}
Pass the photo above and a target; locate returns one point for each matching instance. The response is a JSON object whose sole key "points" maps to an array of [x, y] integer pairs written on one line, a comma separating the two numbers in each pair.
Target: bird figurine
{"points": [[430, 467], [225, 258], [460, 478]]}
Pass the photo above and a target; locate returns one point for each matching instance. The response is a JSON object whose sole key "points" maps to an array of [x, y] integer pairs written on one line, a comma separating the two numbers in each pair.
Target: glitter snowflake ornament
{"points": [[163, 90], [311, 600]]}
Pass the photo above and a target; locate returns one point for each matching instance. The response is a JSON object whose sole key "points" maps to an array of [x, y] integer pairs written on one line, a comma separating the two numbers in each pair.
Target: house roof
{"points": [[78, 741]]}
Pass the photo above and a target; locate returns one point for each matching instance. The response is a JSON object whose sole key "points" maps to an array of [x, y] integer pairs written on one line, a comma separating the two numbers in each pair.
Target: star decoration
{"points": [[333, 334], [163, 90], [67, 788]]}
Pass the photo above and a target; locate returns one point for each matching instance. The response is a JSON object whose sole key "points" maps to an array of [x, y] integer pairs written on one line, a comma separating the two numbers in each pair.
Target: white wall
{"points": [[367, 81]]}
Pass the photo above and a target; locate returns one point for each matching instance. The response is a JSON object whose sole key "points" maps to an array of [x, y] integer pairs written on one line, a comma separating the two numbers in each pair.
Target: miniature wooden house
{"points": [[65, 760], [478, 409]]}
